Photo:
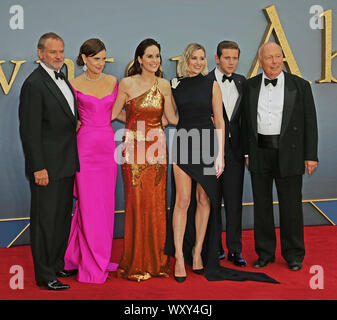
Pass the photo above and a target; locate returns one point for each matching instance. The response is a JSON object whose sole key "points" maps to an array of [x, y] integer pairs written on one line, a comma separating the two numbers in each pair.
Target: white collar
{"points": [[50, 71], [280, 78], [219, 73]]}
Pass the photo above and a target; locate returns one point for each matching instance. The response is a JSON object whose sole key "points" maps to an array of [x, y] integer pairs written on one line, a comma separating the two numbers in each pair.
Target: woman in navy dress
{"points": [[193, 231]]}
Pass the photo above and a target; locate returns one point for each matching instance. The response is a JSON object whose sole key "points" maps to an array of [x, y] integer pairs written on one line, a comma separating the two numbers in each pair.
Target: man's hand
{"points": [[310, 166], [41, 177], [78, 126], [247, 162]]}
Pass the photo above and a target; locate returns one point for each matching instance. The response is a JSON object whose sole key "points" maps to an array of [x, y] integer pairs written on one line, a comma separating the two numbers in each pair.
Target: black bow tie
{"points": [[273, 82], [224, 78], [59, 75]]}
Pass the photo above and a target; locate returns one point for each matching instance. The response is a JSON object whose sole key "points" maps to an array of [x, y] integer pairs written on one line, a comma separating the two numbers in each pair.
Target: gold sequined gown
{"points": [[144, 174]]}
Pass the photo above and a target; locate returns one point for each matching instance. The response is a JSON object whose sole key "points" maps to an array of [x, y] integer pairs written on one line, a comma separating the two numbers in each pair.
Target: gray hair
{"points": [[267, 44]]}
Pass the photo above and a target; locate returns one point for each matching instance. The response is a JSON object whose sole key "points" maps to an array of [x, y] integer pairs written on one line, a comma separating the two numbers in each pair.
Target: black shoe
{"points": [[66, 273], [260, 263], [222, 255], [53, 285], [295, 265], [180, 279], [199, 271], [237, 259]]}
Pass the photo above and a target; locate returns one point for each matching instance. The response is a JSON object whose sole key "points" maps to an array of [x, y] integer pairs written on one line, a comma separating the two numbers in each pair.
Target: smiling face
{"points": [[271, 60], [150, 61], [228, 61], [196, 62], [96, 63], [52, 53]]}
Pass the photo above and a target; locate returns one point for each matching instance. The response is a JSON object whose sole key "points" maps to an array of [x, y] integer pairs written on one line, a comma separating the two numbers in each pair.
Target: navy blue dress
{"points": [[195, 156]]}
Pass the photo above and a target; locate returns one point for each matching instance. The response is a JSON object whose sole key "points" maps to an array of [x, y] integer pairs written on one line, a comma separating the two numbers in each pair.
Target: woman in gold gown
{"points": [[146, 97]]}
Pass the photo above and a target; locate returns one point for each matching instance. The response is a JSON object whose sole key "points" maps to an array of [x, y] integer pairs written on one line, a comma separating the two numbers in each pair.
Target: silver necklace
{"points": [[99, 78]]}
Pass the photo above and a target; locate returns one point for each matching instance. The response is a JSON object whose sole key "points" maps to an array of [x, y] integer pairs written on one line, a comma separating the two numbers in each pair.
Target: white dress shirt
{"points": [[62, 86], [229, 92], [270, 107]]}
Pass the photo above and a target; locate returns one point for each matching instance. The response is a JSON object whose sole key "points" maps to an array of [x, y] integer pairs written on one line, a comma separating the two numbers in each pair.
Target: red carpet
{"points": [[320, 250]]}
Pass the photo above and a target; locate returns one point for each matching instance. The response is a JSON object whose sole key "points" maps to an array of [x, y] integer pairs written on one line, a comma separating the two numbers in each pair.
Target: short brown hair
{"points": [[90, 48], [226, 45], [44, 37]]}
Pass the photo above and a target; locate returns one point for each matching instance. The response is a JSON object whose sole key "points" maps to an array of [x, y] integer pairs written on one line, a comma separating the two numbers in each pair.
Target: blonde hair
{"points": [[182, 67]]}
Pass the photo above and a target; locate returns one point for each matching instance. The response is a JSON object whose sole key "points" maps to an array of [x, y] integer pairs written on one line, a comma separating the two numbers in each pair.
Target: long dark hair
{"points": [[90, 48], [135, 68]]}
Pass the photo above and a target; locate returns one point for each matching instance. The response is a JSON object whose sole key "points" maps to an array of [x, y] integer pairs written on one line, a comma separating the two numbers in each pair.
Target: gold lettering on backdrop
{"points": [[327, 55], [275, 27], [71, 66], [176, 59], [6, 86], [128, 66]]}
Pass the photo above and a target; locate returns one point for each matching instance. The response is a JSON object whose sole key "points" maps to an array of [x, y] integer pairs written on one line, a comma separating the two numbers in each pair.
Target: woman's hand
{"points": [[219, 165], [164, 121]]}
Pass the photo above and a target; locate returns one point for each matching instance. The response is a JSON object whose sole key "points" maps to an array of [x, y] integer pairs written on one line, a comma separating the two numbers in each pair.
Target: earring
{"points": [[84, 67]]}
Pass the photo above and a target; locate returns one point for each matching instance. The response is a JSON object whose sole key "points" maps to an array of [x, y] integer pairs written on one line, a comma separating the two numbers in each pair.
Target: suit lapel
{"points": [[212, 74], [72, 91], [51, 85], [254, 100], [238, 85], [289, 102]]}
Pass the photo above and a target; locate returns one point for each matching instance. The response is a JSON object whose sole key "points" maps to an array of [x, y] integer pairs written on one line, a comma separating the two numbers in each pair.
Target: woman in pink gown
{"points": [[91, 235]]}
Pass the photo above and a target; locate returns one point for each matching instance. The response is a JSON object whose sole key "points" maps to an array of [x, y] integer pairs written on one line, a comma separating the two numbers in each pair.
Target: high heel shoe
{"points": [[180, 279], [197, 271]]}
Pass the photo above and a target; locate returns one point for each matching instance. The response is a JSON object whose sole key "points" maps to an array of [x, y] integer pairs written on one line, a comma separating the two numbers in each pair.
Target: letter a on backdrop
{"points": [[275, 27]]}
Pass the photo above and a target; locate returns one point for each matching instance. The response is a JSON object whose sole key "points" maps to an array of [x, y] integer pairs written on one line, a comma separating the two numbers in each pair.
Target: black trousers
{"points": [[232, 188], [50, 220], [289, 191]]}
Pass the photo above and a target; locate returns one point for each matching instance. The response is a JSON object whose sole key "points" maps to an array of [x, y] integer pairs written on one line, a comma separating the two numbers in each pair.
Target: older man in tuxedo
{"points": [[227, 59], [48, 120], [280, 130]]}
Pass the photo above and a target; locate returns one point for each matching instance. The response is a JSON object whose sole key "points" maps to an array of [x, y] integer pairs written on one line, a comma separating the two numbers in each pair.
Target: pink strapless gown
{"points": [[91, 234]]}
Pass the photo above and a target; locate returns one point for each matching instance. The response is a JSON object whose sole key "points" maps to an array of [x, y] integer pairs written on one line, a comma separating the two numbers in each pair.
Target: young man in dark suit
{"points": [[280, 130], [227, 59], [48, 120]]}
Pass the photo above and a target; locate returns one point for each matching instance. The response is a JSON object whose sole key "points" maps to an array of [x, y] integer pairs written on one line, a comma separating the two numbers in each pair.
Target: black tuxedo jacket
{"points": [[233, 125], [298, 137], [47, 127]]}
